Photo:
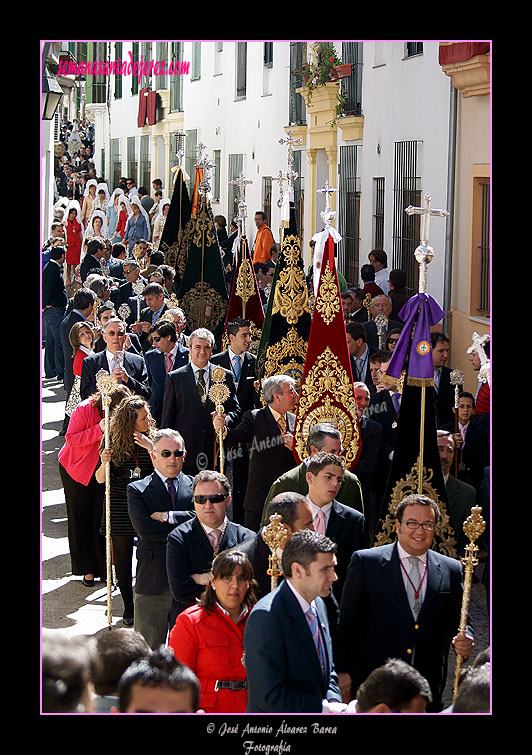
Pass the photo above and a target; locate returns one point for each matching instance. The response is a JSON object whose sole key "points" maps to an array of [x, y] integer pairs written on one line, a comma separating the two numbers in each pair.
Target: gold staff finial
{"points": [[275, 536]]}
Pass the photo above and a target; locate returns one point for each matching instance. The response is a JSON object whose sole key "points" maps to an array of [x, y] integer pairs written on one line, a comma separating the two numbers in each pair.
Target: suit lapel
{"points": [[336, 521], [434, 578], [392, 571], [301, 629]]}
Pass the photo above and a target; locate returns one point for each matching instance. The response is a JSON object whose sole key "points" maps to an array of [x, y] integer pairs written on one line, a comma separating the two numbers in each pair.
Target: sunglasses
{"points": [[166, 453], [218, 498]]}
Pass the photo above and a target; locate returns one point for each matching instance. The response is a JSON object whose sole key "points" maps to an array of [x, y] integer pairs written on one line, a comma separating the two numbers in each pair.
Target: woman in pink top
{"points": [[84, 497]]}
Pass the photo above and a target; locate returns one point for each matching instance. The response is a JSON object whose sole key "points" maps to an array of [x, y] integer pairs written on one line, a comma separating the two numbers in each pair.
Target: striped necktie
{"points": [[312, 619], [237, 367]]}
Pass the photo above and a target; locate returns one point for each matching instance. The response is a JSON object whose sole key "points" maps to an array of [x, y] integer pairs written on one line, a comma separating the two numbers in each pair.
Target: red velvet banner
{"points": [[141, 118], [457, 52], [327, 393], [152, 108]]}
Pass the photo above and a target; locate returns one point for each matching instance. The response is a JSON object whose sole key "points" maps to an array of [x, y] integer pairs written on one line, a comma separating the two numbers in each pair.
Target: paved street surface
{"points": [[75, 609]]}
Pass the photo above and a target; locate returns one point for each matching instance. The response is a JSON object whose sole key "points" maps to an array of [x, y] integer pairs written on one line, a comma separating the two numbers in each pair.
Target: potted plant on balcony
{"points": [[324, 67]]}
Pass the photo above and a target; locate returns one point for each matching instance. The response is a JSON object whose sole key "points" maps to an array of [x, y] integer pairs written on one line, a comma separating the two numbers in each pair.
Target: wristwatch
{"points": [[165, 516]]}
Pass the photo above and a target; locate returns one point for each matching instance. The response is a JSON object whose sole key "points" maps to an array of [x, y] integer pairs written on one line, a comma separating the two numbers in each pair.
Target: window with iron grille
{"points": [[131, 158], [118, 77], [96, 84], [134, 59], [144, 161], [348, 203], [116, 161], [146, 56], [480, 252], [406, 191], [161, 55], [268, 54], [235, 166], [176, 81], [241, 69], [378, 213], [267, 199], [351, 87], [413, 48], [297, 112], [195, 68], [191, 158]]}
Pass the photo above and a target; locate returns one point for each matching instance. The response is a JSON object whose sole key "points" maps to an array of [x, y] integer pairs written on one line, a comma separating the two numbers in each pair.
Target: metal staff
{"points": [[106, 383], [218, 394], [474, 526], [138, 288], [275, 536], [456, 378]]}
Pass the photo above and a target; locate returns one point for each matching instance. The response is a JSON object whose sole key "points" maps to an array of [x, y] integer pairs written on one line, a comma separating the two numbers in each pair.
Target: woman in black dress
{"points": [[130, 431]]}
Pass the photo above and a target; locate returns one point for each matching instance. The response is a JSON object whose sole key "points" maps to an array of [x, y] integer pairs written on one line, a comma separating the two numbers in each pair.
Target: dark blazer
{"points": [[134, 365], [366, 378], [361, 315], [366, 466], [155, 364], [188, 551], [122, 294], [183, 411], [373, 336], [475, 453], [135, 348], [347, 528], [282, 666], [64, 329], [245, 392], [144, 498], [382, 411], [89, 263], [376, 622], [268, 457], [53, 286], [461, 498], [444, 398], [146, 315]]}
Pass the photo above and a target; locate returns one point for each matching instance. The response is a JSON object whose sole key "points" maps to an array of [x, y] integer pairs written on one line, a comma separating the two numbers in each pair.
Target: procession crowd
{"points": [[217, 618]]}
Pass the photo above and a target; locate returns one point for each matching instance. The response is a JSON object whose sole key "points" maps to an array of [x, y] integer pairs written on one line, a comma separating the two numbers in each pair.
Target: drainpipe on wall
{"points": [[451, 172]]}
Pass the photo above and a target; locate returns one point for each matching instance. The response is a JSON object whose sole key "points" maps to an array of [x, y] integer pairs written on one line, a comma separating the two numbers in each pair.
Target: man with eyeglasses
{"points": [[402, 601], [155, 505], [127, 367], [192, 545]]}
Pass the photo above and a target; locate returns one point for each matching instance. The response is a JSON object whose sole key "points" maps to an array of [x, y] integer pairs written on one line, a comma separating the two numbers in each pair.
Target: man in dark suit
{"points": [[342, 524], [269, 431], [296, 514], [241, 362], [154, 511], [191, 546], [187, 406], [124, 292], [359, 312], [118, 256], [155, 299], [366, 465], [402, 601], [287, 645], [91, 261], [54, 302], [443, 390], [130, 369], [381, 304], [105, 312], [167, 355], [359, 353], [472, 442], [461, 497], [326, 438]]}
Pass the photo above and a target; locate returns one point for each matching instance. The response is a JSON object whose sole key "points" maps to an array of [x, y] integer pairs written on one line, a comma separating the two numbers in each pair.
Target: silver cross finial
{"points": [[242, 182], [180, 147], [327, 215], [424, 253], [291, 174], [204, 164]]}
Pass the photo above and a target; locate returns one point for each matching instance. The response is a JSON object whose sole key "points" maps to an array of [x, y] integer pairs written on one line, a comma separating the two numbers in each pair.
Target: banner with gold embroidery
{"points": [[202, 294], [327, 393], [286, 329], [173, 243], [245, 301]]}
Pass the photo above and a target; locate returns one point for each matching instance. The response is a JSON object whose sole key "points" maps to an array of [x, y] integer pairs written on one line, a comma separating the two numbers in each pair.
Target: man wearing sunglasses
{"points": [[192, 545], [166, 355], [156, 504], [402, 601]]}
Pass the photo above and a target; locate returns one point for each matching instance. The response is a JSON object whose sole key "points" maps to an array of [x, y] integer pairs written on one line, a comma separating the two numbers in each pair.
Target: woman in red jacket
{"points": [[209, 637], [84, 497]]}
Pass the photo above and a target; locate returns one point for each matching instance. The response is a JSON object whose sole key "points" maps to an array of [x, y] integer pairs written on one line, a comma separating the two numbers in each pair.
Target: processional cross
{"points": [[291, 174], [424, 253], [206, 165], [242, 182], [327, 215]]}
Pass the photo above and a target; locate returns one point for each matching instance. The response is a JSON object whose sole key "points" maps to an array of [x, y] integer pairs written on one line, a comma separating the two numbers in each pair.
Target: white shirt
{"points": [[381, 279], [110, 359], [405, 561], [206, 374], [326, 510]]}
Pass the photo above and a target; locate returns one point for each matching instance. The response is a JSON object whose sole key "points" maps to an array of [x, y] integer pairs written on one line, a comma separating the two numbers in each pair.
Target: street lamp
{"points": [[52, 94]]}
